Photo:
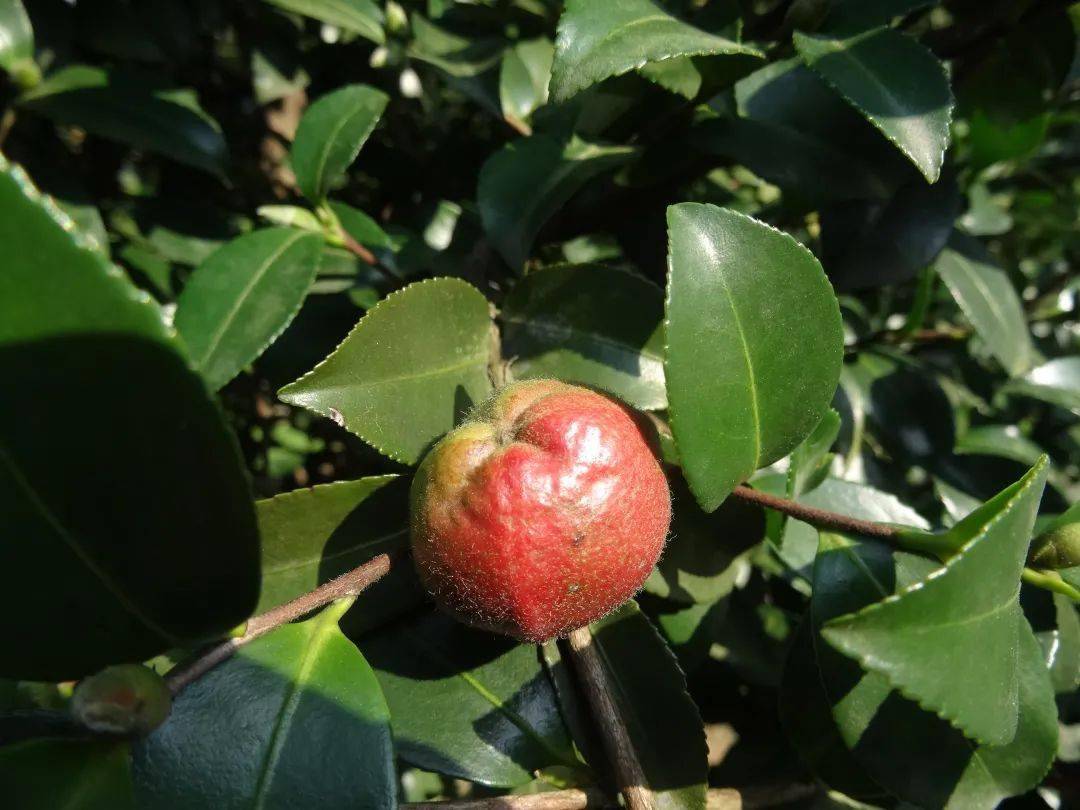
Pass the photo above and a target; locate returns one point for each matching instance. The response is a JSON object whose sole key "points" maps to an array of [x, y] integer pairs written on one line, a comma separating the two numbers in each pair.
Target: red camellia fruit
{"points": [[543, 512]]}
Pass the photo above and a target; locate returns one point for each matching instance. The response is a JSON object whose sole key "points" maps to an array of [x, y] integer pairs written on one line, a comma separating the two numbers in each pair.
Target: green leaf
{"points": [[899, 86], [591, 325], [466, 703], [810, 460], [330, 135], [133, 110], [242, 298], [596, 41], [950, 641], [360, 226], [904, 751], [754, 345], [858, 15], [137, 511], [363, 17], [989, 300], [869, 244], [649, 690], [16, 38], [408, 369], [999, 440], [678, 75], [552, 171], [1056, 382], [523, 77], [310, 536], [459, 57], [69, 774], [706, 553], [294, 719]]}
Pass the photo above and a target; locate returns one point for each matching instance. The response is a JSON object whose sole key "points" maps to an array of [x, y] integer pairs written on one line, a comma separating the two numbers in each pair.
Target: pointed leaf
{"points": [[989, 300], [415, 362], [146, 528], [69, 774], [754, 345], [650, 692], [810, 460], [591, 325], [466, 703], [363, 17], [950, 642], [242, 297], [330, 136], [294, 719], [134, 110], [552, 171], [598, 40], [523, 77], [899, 86]]}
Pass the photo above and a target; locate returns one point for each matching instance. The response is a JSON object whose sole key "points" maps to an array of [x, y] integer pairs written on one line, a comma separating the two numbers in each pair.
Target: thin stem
{"points": [[620, 748], [818, 518], [1050, 581], [348, 584]]}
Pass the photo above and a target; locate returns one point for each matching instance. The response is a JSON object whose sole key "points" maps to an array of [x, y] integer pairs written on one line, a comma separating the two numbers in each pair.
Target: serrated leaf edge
{"points": [[835, 623], [284, 394]]}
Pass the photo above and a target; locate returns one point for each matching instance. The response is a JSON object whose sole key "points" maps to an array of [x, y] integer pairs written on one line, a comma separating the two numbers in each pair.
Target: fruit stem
{"points": [[348, 584], [620, 749], [818, 518]]}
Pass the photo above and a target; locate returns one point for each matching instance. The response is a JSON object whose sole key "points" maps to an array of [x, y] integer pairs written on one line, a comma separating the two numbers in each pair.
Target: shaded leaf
{"points": [[523, 77], [241, 298], [254, 731], [360, 226], [650, 691], [71, 774], [330, 135], [123, 529], [950, 642], [133, 110], [895, 82], [679, 75], [466, 703], [553, 172], [16, 36], [858, 15], [414, 363], [753, 345], [1056, 382], [363, 17], [989, 300], [810, 460], [591, 325], [596, 41]]}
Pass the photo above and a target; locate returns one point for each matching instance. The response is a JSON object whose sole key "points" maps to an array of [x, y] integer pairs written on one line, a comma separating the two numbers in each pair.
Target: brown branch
{"points": [[360, 251], [348, 584], [819, 518], [592, 799], [620, 748]]}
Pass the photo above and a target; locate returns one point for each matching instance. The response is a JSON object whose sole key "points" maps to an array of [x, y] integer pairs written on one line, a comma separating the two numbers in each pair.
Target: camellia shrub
{"points": [[528, 404]]}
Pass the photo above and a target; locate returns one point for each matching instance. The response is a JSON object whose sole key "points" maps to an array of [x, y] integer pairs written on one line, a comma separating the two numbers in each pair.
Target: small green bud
{"points": [[1057, 548], [123, 699]]}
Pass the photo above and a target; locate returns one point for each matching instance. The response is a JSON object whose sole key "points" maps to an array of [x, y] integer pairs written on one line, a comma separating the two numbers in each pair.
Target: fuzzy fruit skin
{"points": [[542, 513]]}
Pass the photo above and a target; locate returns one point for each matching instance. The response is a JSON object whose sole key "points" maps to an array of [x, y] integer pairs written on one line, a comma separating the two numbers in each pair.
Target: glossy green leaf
{"points": [[904, 751], [753, 345], [869, 244], [241, 298], [1056, 382], [650, 692], [591, 325], [363, 17], [678, 75], [895, 82], [553, 172], [70, 774], [989, 300], [294, 719], [950, 642], [596, 41], [310, 536], [133, 110], [360, 226], [151, 488], [408, 369], [523, 77], [330, 135], [466, 703], [16, 37]]}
